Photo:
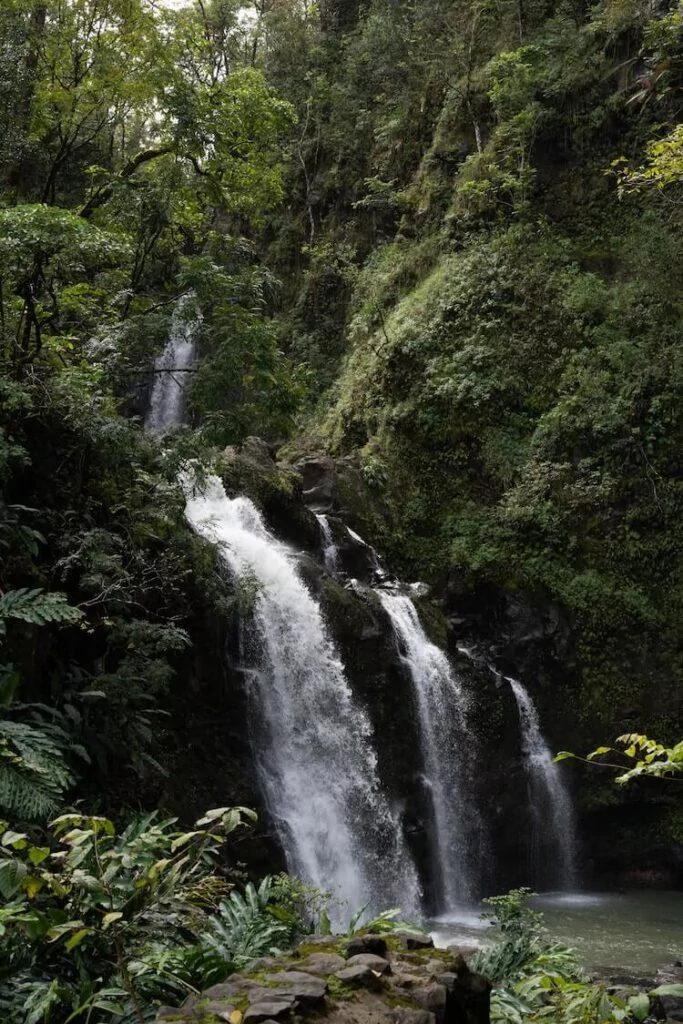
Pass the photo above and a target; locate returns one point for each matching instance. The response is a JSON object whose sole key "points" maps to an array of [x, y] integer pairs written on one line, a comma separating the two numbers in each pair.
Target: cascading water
{"points": [[314, 750], [172, 369], [330, 552], [315, 758], [551, 807], [445, 744]]}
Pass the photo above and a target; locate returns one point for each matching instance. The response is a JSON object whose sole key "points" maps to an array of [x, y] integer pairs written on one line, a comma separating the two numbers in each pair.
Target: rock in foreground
{"points": [[345, 982]]}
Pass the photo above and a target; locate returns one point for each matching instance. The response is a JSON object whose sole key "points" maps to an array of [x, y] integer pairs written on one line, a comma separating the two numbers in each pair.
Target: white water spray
{"points": [[445, 746], [315, 758], [551, 807]]}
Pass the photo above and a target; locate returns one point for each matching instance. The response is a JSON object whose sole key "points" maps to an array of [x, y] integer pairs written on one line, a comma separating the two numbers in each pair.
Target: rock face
{"points": [[209, 755], [417, 986], [208, 752], [367, 944]]}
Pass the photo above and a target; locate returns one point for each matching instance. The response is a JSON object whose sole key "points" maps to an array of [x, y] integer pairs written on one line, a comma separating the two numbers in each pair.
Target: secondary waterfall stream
{"points": [[314, 750], [330, 553], [445, 744], [172, 368], [444, 739], [551, 808]]}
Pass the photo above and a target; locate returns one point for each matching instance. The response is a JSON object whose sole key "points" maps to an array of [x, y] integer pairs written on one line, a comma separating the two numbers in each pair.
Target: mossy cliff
{"points": [[486, 299], [626, 835]]}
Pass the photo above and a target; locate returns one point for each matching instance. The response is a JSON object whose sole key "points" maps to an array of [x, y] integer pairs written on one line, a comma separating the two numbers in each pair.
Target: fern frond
{"points": [[26, 1000], [243, 928], [33, 771], [37, 607]]}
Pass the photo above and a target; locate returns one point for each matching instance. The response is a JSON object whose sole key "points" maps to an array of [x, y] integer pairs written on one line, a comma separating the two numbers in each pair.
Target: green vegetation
{"points": [[535, 979], [493, 194], [99, 925], [651, 758], [443, 237]]}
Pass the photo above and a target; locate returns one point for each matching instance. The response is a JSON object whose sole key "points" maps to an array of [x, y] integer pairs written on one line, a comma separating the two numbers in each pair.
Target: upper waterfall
{"points": [[313, 742], [550, 804], [445, 747], [172, 368]]}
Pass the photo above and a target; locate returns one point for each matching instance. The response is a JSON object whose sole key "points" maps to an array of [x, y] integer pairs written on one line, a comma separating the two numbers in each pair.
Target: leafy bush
{"points": [[384, 923], [34, 753], [536, 979], [243, 928], [99, 924], [524, 948]]}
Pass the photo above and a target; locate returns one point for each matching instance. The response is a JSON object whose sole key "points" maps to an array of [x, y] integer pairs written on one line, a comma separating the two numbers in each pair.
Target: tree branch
{"points": [[101, 197]]}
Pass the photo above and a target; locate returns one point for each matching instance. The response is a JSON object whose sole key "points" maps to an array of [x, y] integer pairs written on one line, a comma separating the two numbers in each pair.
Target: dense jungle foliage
{"points": [[445, 236]]}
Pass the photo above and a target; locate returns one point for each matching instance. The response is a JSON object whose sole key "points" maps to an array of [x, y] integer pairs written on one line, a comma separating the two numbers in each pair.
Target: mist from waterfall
{"points": [[553, 826], [313, 743], [172, 370], [446, 745]]}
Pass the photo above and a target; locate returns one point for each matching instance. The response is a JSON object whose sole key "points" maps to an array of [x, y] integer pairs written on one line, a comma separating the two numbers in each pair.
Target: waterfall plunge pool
{"points": [[637, 932]]}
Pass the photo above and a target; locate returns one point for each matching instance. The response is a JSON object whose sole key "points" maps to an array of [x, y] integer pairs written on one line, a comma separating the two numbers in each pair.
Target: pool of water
{"points": [[636, 932]]}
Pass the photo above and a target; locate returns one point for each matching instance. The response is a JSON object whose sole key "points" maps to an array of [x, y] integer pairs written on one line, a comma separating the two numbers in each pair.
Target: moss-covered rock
{"points": [[423, 986]]}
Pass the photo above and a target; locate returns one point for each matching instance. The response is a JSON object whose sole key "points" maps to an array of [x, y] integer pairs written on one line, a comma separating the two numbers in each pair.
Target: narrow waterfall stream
{"points": [[444, 738], [314, 750], [172, 368], [330, 552], [445, 744], [550, 804]]}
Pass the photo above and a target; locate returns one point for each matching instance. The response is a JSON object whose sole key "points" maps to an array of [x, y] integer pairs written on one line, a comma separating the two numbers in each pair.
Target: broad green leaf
{"points": [[110, 918], [16, 840], [59, 930], [640, 1005], [183, 839], [213, 815], [33, 885], [76, 938], [598, 752], [37, 854], [674, 989]]}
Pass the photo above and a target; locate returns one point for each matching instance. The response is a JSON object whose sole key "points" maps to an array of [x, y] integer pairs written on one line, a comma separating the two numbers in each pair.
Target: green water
{"points": [[633, 933]]}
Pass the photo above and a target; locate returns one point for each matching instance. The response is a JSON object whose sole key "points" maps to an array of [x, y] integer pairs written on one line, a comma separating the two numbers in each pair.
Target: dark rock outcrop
{"points": [[366, 944]]}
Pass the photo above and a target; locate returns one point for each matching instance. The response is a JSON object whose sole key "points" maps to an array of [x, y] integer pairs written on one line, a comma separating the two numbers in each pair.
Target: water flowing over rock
{"points": [[330, 553], [172, 370], [313, 743], [550, 804], [445, 747]]}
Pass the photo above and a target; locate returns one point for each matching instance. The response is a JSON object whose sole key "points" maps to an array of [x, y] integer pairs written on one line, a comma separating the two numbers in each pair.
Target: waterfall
{"points": [[313, 743], [330, 552], [445, 746], [172, 369], [551, 808]]}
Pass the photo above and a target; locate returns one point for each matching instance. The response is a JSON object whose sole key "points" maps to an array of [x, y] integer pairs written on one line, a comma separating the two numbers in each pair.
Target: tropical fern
{"points": [[33, 770], [25, 1000], [385, 923], [37, 607], [244, 929], [506, 959]]}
